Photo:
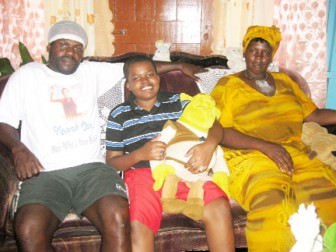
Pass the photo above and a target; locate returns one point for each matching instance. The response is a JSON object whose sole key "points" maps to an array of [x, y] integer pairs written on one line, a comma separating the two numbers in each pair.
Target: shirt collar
{"points": [[134, 106]]}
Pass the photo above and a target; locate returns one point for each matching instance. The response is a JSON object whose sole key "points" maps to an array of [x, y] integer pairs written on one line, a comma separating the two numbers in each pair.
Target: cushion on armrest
{"points": [[3, 82], [298, 79], [8, 187]]}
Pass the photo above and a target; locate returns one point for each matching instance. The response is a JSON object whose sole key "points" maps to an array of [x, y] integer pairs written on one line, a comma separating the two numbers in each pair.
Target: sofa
{"points": [[177, 232]]}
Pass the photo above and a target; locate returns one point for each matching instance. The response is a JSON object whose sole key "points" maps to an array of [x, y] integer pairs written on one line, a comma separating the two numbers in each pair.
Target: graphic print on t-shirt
{"points": [[65, 97]]}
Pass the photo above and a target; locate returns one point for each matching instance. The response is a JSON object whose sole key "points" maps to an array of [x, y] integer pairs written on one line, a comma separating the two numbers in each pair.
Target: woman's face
{"points": [[258, 56]]}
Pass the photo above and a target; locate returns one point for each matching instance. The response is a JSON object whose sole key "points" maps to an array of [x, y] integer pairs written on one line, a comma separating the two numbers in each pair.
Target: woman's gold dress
{"points": [[268, 195]]}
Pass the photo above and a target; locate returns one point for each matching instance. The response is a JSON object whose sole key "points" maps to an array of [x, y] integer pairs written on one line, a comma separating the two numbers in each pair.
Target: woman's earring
{"points": [[243, 59]]}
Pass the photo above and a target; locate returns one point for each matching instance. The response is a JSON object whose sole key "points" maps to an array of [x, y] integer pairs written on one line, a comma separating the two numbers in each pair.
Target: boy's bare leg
{"points": [[34, 227], [110, 215], [217, 219], [142, 237]]}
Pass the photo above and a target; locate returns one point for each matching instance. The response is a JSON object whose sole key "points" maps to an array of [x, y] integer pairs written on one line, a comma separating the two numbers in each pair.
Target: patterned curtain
{"points": [[103, 29], [27, 21], [303, 24], [80, 11], [94, 16], [21, 21]]}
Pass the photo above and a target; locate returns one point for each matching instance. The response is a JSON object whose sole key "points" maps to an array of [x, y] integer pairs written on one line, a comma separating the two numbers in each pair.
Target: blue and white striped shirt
{"points": [[129, 126]]}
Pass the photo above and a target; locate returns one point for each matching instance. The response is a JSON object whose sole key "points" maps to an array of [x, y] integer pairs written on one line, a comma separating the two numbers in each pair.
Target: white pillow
{"points": [[106, 103], [209, 79]]}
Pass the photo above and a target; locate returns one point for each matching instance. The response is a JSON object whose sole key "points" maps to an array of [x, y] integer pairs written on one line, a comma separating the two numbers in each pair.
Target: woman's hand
{"points": [[200, 157], [279, 155]]}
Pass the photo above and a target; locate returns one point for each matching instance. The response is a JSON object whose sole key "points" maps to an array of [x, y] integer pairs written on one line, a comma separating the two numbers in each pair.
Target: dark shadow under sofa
{"points": [[177, 232]]}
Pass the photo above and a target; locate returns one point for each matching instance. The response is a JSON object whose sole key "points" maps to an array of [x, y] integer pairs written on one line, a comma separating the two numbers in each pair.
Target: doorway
{"points": [[186, 24]]}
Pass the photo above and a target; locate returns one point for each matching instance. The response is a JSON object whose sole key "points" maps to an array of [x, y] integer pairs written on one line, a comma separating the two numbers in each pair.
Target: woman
{"points": [[271, 174]]}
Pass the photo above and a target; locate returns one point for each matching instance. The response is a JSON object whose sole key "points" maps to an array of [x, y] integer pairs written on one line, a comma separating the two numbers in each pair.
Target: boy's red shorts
{"points": [[145, 204]]}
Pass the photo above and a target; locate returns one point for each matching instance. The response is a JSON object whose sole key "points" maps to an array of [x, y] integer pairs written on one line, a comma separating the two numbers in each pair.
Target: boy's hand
{"points": [[154, 150]]}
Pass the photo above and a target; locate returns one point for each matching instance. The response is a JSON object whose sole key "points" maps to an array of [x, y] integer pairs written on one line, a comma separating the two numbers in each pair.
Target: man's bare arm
{"points": [[187, 69], [25, 162]]}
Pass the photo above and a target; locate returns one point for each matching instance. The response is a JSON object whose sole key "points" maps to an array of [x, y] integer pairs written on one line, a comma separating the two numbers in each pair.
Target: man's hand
{"points": [[26, 164], [190, 70]]}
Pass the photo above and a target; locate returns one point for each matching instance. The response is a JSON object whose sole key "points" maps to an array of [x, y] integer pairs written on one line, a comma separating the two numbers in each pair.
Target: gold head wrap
{"points": [[271, 34]]}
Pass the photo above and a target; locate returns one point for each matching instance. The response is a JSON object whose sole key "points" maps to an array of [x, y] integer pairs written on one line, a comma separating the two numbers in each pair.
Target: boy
{"points": [[132, 132]]}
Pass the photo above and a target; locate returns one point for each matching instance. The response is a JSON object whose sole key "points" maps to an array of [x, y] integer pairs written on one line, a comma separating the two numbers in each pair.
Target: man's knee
{"points": [[35, 221], [24, 228], [112, 214], [33, 231], [119, 213]]}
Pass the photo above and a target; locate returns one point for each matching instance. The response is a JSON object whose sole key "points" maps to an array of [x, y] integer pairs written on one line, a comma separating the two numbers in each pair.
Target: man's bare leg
{"points": [[110, 215], [34, 227]]}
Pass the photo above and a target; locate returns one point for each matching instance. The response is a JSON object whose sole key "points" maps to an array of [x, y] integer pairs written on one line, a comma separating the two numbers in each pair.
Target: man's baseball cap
{"points": [[67, 29]]}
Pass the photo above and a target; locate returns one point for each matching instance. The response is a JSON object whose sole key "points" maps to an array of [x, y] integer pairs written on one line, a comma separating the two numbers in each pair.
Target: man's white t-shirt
{"points": [[59, 113]]}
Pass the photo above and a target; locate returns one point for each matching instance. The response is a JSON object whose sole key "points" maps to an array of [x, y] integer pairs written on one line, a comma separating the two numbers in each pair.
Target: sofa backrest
{"points": [[171, 81], [175, 81]]}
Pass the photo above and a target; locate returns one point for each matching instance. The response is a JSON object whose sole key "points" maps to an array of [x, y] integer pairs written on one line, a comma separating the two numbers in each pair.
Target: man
{"points": [[58, 157]]}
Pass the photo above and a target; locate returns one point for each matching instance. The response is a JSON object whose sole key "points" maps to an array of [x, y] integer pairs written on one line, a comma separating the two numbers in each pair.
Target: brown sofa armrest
{"points": [[8, 187]]}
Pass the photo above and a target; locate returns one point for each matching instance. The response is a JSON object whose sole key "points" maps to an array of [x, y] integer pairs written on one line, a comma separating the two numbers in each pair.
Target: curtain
{"points": [[103, 29], [302, 23], [93, 15], [21, 21], [27, 21], [80, 11], [303, 26], [303, 48], [232, 18]]}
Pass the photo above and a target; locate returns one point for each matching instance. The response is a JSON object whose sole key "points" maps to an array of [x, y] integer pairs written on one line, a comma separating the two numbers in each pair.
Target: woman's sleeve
{"points": [[221, 94], [308, 106]]}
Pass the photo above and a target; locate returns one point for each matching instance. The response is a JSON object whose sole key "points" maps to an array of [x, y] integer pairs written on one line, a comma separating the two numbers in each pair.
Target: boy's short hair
{"points": [[135, 59]]}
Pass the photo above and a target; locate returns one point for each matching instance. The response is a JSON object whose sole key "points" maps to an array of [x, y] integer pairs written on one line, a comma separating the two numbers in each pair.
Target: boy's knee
{"points": [[217, 209]]}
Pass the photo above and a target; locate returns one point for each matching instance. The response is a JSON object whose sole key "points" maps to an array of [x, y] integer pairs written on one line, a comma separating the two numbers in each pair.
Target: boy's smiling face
{"points": [[144, 82]]}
